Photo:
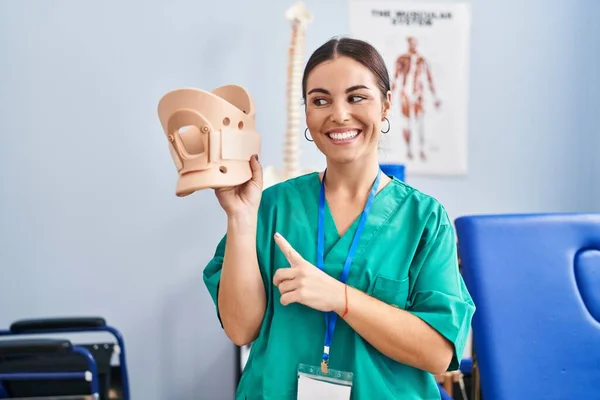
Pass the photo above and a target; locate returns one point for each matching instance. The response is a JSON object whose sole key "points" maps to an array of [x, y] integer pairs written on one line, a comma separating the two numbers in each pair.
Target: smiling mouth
{"points": [[345, 136]]}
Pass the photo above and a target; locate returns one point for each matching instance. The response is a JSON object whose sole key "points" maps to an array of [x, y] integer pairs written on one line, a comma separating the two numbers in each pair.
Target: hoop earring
{"points": [[388, 129], [306, 135]]}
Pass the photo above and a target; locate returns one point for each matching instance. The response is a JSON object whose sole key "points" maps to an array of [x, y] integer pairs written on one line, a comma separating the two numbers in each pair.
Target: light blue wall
{"points": [[89, 220], [588, 99], [596, 176], [591, 102], [533, 92]]}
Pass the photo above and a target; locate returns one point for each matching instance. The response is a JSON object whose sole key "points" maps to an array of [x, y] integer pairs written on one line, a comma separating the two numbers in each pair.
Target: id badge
{"points": [[313, 384]]}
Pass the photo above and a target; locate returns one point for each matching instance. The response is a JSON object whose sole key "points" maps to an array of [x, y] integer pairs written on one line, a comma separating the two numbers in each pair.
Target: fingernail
{"points": [[277, 235], [256, 157]]}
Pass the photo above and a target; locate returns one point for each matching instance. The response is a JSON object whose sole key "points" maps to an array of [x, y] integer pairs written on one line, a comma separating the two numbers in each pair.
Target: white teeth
{"points": [[343, 135]]}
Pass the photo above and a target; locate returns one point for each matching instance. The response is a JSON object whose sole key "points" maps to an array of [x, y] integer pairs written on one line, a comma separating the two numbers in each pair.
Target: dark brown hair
{"points": [[359, 51]]}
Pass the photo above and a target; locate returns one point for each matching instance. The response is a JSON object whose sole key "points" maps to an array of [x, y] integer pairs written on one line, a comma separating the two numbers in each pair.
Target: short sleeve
{"points": [[212, 274], [439, 295]]}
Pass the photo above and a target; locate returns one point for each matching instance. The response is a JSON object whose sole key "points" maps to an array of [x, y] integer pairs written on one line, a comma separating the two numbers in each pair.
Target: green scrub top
{"points": [[406, 257]]}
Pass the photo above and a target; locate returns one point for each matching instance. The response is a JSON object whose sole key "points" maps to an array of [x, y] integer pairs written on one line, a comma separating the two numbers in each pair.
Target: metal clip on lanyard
{"points": [[331, 316]]}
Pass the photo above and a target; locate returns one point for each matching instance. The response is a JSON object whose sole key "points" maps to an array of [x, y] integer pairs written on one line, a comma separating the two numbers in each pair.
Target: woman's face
{"points": [[344, 109]]}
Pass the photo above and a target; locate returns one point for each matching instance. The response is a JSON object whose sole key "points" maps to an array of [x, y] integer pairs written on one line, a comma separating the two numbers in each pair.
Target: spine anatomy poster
{"points": [[425, 46]]}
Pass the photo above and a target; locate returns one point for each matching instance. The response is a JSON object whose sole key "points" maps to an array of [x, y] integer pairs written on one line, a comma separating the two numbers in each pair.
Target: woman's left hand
{"points": [[306, 284]]}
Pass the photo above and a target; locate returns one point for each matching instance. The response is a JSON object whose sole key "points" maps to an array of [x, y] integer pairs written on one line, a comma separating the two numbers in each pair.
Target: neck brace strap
{"points": [[219, 127]]}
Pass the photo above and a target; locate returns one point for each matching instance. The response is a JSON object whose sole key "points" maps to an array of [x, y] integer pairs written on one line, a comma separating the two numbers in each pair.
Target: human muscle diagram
{"points": [[425, 46]]}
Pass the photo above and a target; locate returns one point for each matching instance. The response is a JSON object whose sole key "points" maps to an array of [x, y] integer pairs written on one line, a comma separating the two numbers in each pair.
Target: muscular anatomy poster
{"points": [[425, 46]]}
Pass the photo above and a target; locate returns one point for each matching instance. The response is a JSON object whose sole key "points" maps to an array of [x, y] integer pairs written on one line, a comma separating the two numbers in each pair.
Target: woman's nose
{"points": [[340, 113]]}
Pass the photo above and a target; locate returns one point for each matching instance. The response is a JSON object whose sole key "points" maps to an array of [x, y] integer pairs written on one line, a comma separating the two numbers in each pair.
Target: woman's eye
{"points": [[318, 102], [355, 99]]}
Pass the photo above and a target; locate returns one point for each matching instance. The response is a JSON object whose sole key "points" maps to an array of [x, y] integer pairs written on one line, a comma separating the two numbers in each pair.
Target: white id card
{"points": [[313, 384]]}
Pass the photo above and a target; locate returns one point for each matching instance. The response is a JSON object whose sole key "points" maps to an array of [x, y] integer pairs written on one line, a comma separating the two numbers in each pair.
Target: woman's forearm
{"points": [[396, 333], [242, 296]]}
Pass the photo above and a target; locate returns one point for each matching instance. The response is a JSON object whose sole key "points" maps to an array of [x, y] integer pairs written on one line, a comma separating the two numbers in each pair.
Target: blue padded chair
{"points": [[46, 368], [536, 282]]}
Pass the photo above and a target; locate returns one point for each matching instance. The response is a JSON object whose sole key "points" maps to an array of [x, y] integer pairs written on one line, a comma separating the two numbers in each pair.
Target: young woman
{"points": [[373, 255]]}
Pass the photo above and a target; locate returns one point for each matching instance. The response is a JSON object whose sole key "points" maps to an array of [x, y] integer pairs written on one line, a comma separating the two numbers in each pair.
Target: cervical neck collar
{"points": [[211, 136]]}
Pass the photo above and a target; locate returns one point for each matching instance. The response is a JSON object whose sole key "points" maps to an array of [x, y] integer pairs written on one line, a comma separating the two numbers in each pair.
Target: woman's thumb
{"points": [[257, 172]]}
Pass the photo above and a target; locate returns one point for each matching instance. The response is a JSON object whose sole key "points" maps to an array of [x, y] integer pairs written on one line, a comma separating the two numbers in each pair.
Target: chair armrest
{"points": [[56, 324], [33, 346]]}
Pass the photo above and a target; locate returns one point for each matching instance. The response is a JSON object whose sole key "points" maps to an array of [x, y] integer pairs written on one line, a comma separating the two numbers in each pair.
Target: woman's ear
{"points": [[387, 104]]}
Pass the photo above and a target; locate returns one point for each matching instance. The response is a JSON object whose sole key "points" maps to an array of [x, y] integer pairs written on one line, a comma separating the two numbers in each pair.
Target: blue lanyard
{"points": [[331, 316]]}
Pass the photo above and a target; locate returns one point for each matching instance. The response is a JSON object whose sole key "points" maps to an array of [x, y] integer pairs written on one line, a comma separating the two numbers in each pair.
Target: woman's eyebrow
{"points": [[350, 89]]}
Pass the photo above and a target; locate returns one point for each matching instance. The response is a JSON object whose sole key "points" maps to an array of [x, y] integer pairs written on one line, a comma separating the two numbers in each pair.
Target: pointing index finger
{"points": [[290, 253]]}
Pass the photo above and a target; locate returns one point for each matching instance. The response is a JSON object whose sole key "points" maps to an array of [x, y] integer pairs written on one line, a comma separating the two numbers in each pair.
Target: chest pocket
{"points": [[391, 291]]}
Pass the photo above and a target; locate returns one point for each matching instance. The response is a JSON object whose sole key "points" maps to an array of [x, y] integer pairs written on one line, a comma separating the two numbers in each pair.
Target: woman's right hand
{"points": [[243, 199]]}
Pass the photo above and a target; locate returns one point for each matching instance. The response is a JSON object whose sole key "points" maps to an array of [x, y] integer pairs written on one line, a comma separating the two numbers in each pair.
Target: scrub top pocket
{"points": [[391, 291]]}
